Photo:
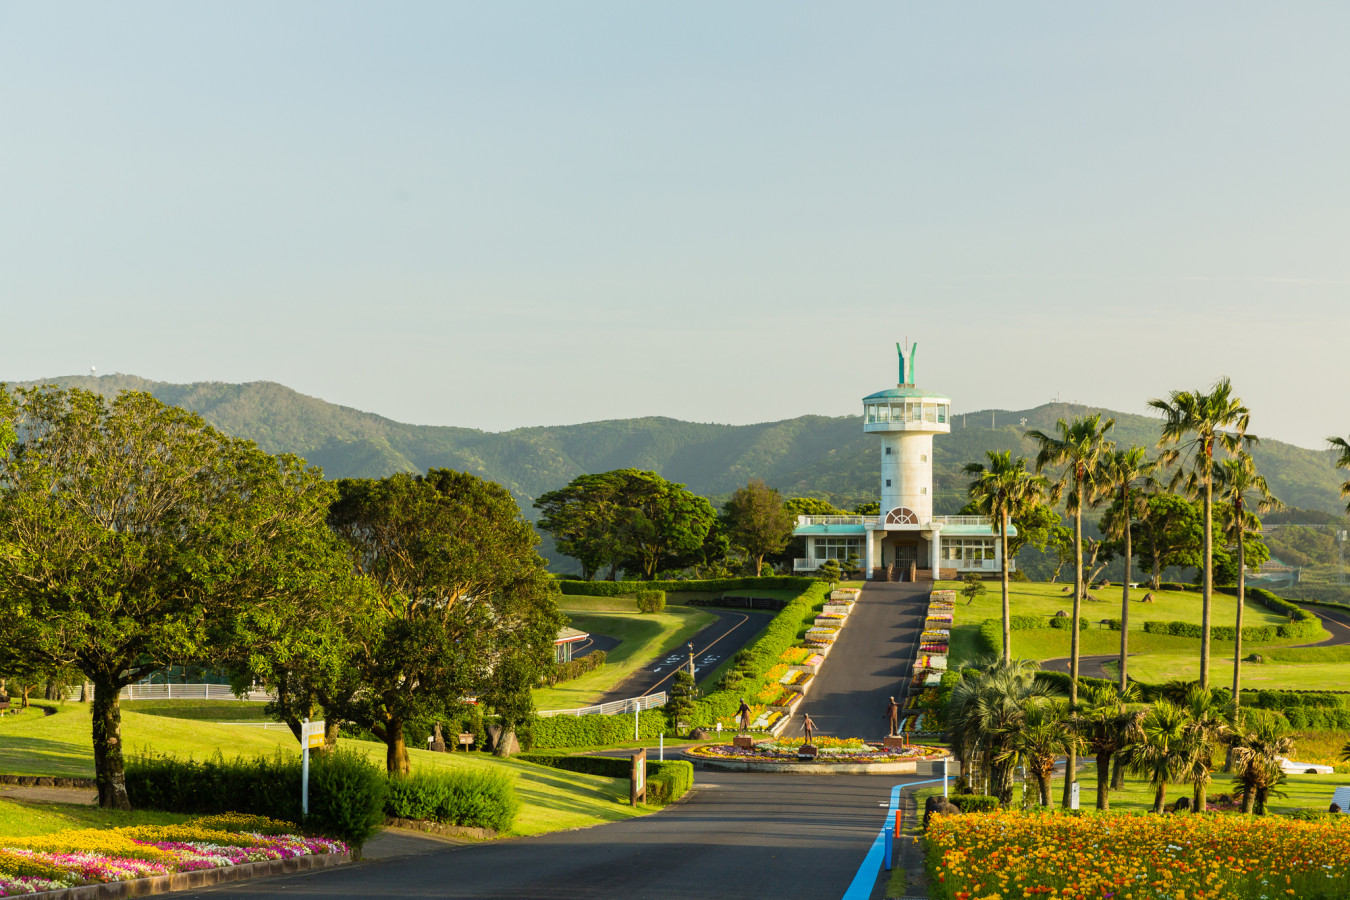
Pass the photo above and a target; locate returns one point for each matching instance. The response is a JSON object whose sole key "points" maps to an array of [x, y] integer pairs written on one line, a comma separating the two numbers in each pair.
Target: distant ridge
{"points": [[819, 456]]}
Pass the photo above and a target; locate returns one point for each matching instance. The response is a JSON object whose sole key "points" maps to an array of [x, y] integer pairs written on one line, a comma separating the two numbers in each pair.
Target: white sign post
{"points": [[311, 735], [1073, 796]]}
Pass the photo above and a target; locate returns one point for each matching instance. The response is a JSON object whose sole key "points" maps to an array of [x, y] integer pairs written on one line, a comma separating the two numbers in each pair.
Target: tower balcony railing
{"points": [[803, 521]]}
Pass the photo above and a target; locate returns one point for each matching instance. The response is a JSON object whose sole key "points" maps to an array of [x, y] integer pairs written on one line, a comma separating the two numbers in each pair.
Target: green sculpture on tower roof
{"points": [[900, 351]]}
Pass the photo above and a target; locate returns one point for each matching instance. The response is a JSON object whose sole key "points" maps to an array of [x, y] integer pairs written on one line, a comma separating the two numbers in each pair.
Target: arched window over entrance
{"points": [[902, 515]]}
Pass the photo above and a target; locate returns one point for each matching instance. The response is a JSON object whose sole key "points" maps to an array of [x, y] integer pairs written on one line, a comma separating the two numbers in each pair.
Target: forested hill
{"points": [[816, 456]]}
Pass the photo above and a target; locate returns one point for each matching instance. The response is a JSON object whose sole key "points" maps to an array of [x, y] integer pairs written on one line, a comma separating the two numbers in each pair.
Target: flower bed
{"points": [[931, 661], [1015, 855], [77, 857], [822, 635], [795, 656], [766, 720], [827, 750], [796, 678], [772, 695]]}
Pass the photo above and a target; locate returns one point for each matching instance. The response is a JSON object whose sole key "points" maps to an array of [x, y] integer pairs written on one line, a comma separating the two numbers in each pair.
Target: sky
{"points": [[507, 214]]}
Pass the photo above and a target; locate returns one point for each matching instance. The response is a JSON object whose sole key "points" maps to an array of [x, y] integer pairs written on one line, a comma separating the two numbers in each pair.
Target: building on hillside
{"points": [[567, 642], [906, 539]]}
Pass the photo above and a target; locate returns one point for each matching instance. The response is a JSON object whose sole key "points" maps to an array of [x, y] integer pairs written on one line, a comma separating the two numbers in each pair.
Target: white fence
{"points": [[179, 692], [648, 701]]}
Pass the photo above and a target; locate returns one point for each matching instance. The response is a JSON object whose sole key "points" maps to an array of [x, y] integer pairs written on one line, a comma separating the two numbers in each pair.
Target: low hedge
{"points": [[666, 781], [651, 601], [575, 668], [1059, 681], [470, 798], [627, 588], [974, 803], [1063, 623], [1256, 633], [346, 791], [555, 732]]}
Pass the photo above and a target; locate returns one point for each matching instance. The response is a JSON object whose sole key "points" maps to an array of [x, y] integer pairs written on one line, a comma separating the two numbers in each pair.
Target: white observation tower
{"points": [[907, 417]]}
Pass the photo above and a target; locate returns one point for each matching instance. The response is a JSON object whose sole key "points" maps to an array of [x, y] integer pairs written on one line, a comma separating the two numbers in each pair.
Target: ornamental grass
{"points": [[1010, 855]]}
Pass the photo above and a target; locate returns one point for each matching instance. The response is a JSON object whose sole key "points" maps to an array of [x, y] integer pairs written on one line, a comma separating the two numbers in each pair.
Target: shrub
{"points": [[974, 803], [346, 792], [630, 588], [1025, 623], [651, 601], [1059, 681], [556, 732], [575, 668], [471, 799], [1063, 622], [666, 781]]}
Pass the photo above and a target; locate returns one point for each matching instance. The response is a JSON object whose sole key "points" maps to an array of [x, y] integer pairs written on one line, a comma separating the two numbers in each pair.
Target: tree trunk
{"points": [[1043, 786], [1237, 637], [1125, 603], [331, 726], [23, 704], [502, 748], [1261, 801], [1155, 582], [1103, 780], [1071, 762], [1201, 796], [1248, 799], [396, 756], [1007, 611], [1160, 797], [1207, 581], [108, 771], [1118, 772]]}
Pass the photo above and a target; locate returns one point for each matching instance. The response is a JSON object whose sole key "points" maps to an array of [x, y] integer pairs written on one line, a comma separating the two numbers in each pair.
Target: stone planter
{"points": [[788, 705]]}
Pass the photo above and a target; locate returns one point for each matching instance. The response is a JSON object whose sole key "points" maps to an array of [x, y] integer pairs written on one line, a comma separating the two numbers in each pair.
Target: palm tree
{"points": [[1079, 447], [1240, 489], [1162, 750], [1122, 471], [1195, 422], [1107, 725], [985, 712], [1042, 736], [1343, 445], [1005, 491], [1257, 753], [1208, 721]]}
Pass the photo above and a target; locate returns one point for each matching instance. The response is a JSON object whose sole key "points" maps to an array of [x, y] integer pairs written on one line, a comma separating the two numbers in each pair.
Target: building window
{"points": [[923, 457], [968, 549], [925, 490], [840, 548], [888, 482], [888, 451]]}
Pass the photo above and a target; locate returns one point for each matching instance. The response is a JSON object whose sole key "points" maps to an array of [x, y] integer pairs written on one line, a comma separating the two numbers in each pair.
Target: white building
{"points": [[906, 536]]}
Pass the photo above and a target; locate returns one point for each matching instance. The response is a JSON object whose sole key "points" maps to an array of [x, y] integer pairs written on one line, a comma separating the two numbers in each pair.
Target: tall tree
{"points": [[1258, 751], [1003, 491], [1107, 725], [1209, 721], [1343, 445], [1123, 473], [1170, 533], [1162, 750], [1243, 492], [583, 519], [459, 591], [1079, 447], [757, 521], [1195, 423], [131, 532]]}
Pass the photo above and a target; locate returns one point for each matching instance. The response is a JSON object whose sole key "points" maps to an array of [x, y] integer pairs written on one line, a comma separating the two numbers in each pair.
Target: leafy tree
{"points": [[1170, 533], [1161, 751], [985, 715], [810, 506], [1243, 492], [130, 534], [757, 522], [872, 508], [459, 593], [972, 587], [1194, 423], [1003, 491], [1343, 446], [829, 571], [583, 519], [1123, 472], [1079, 447], [680, 706]]}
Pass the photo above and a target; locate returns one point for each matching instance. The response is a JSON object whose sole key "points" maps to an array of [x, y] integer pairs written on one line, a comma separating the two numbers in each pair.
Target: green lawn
{"points": [[644, 636], [204, 710], [1154, 657], [23, 818], [60, 745]]}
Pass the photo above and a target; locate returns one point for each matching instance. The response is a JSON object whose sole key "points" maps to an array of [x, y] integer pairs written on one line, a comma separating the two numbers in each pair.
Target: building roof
{"points": [[905, 390], [568, 635]]}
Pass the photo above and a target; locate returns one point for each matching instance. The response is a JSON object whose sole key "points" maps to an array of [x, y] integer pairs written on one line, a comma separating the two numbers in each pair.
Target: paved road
{"points": [[736, 835], [1088, 666], [871, 661], [713, 646], [1337, 621]]}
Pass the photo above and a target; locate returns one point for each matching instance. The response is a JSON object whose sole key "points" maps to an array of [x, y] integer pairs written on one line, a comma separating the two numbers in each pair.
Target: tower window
{"points": [[923, 490], [888, 451], [923, 457], [888, 482]]}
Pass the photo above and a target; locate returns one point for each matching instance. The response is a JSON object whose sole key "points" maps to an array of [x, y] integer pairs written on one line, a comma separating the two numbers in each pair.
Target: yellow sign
{"points": [[315, 741], [311, 735]]}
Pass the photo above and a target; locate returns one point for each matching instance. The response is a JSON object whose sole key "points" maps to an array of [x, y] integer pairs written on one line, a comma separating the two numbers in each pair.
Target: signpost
{"points": [[311, 735], [639, 777], [1073, 796]]}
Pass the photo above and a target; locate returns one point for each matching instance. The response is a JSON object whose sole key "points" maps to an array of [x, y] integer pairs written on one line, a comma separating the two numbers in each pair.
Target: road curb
{"points": [[184, 881]]}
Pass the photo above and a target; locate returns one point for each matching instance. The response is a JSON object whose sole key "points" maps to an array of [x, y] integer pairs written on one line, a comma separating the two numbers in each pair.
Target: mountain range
{"points": [[815, 456]]}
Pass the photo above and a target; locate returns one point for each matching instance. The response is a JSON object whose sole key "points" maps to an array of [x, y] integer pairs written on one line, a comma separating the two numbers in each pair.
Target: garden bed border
{"points": [[184, 881]]}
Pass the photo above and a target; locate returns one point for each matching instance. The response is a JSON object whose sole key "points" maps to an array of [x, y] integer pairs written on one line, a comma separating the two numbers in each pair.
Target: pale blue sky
{"points": [[499, 214]]}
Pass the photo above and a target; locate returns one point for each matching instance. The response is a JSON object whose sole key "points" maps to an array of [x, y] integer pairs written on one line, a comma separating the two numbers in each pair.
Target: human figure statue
{"points": [[808, 728], [744, 714], [893, 716]]}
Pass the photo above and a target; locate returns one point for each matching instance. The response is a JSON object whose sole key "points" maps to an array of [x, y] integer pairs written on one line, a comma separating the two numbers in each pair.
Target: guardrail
{"points": [[180, 692], [647, 701]]}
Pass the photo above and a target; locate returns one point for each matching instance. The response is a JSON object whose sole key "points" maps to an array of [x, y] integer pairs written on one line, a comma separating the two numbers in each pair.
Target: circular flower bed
{"points": [[841, 750]]}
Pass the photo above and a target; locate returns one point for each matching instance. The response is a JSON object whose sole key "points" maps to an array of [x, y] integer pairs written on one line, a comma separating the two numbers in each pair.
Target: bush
{"points": [[1026, 623], [556, 732], [575, 668], [1059, 681], [974, 803], [471, 799], [651, 601], [1254, 633], [666, 781], [630, 588], [1063, 623], [346, 792]]}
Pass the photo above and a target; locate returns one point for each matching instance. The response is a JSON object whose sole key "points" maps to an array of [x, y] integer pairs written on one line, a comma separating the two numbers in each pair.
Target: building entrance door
{"points": [[904, 556]]}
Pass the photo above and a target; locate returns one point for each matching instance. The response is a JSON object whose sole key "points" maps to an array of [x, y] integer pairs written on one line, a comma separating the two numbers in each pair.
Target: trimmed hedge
{"points": [[974, 803], [1059, 681], [346, 791], [557, 732], [1256, 633], [1063, 623], [471, 798], [651, 601], [575, 668], [627, 588], [666, 781]]}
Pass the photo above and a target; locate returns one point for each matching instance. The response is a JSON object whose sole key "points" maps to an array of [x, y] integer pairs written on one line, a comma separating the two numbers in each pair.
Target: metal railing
{"points": [[647, 701], [179, 692], [960, 520], [803, 521]]}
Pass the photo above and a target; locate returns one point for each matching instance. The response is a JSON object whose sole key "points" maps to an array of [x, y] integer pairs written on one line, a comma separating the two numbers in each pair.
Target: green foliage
{"points": [[1257, 633], [555, 732], [666, 781], [972, 587], [810, 506], [974, 803], [346, 793], [469, 798], [757, 522], [575, 668], [830, 571], [630, 588], [683, 693], [1063, 623], [651, 601], [1059, 681]]}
